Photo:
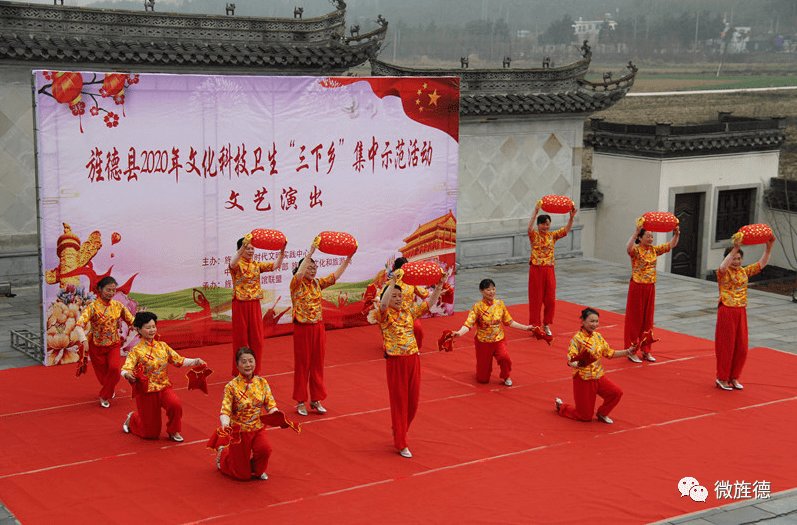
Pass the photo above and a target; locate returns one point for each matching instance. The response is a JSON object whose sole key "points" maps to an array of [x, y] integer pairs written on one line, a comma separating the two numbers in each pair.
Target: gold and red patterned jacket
{"points": [[488, 319], [245, 400], [643, 262], [733, 284], [306, 298], [104, 319], [398, 337], [246, 279], [597, 346], [154, 358], [542, 246]]}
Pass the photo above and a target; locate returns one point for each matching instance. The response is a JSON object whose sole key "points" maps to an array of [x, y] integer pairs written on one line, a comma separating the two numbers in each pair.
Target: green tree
{"points": [[559, 32]]}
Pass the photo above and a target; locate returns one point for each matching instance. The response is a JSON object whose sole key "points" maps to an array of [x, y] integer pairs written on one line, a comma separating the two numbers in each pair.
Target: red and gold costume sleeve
{"points": [[155, 358], [398, 337], [306, 298], [104, 318], [408, 294], [245, 400], [733, 284], [489, 319], [643, 262], [595, 345], [542, 246], [246, 279]]}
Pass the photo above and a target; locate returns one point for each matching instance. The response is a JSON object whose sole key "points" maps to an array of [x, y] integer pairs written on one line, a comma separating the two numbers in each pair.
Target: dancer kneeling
{"points": [[487, 315], [245, 397], [148, 361], [402, 360], [589, 381]]}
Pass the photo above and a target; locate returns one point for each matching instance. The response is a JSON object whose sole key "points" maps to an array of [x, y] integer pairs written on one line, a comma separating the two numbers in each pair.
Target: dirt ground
{"points": [[782, 288]]}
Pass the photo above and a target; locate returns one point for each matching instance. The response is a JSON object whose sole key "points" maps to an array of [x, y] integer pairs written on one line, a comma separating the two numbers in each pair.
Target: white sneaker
{"points": [[316, 405], [647, 357], [264, 476], [546, 329], [558, 403], [508, 382], [126, 424], [105, 403], [301, 409], [605, 419], [176, 437], [405, 452]]}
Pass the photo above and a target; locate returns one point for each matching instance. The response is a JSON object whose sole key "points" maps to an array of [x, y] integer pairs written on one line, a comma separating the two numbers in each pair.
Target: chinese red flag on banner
{"points": [[431, 101]]}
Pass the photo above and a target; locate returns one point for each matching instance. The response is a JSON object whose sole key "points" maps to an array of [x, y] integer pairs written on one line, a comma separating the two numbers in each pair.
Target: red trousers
{"points": [[309, 348], [147, 421], [246, 459], [418, 331], [247, 330], [484, 359], [585, 392], [730, 341], [404, 389], [542, 292], [107, 365], [639, 308]]}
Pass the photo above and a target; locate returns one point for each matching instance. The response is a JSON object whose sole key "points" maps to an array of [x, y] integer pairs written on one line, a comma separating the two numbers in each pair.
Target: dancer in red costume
{"points": [[150, 359], [408, 294], [488, 315], [245, 398], [309, 336], [589, 380], [730, 337], [641, 302], [542, 277], [247, 318], [402, 360], [104, 315]]}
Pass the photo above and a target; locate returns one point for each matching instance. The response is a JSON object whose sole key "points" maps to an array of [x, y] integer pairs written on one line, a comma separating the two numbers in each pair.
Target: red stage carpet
{"points": [[482, 453]]}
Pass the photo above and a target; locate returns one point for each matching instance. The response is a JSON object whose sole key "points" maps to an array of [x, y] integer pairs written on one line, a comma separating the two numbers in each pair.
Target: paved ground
{"points": [[683, 305]]}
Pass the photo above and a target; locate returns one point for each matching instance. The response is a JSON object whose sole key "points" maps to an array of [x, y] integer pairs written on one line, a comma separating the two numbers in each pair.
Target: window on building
{"points": [[734, 210]]}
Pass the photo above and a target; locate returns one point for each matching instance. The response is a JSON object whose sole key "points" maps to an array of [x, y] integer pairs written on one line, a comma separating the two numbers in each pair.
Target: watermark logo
{"points": [[692, 488]]}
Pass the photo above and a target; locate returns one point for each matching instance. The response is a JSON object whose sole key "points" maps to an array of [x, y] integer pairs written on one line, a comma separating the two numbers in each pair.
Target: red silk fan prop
{"points": [[224, 437], [266, 239], [421, 273], [198, 378], [538, 334], [754, 234], [556, 204], [336, 243], [446, 341], [278, 419], [141, 386], [658, 221], [82, 364], [584, 358]]}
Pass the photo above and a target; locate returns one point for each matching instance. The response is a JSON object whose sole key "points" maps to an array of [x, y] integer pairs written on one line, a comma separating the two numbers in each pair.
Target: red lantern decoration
{"points": [[754, 234], [268, 239], [336, 243], [556, 204], [114, 84], [659, 221], [67, 87], [421, 273]]}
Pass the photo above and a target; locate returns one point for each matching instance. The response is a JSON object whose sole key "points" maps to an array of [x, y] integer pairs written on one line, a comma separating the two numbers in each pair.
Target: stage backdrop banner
{"points": [[152, 178]]}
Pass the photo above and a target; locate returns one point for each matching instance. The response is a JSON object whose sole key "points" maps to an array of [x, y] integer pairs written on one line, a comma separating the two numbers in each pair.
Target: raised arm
{"points": [[305, 263], [570, 222], [432, 299], [629, 247], [384, 301], [676, 234], [278, 262], [726, 262], [533, 219], [237, 255], [767, 252], [342, 268]]}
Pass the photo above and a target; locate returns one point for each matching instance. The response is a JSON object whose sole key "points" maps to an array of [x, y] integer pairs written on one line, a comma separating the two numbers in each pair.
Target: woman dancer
{"points": [[641, 301], [151, 358], [589, 380], [105, 344], [309, 337], [730, 337], [245, 397]]}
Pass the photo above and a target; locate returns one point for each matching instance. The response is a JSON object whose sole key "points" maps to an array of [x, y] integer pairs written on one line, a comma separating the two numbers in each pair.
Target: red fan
{"points": [[198, 378], [224, 437], [538, 334], [556, 204], [141, 386], [446, 341], [278, 419], [584, 358], [268, 239], [421, 273], [754, 234], [647, 338], [82, 364], [336, 243], [659, 221]]}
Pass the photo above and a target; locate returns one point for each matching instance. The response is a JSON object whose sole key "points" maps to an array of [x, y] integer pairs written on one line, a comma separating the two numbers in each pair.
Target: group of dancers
{"points": [[248, 395]]}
